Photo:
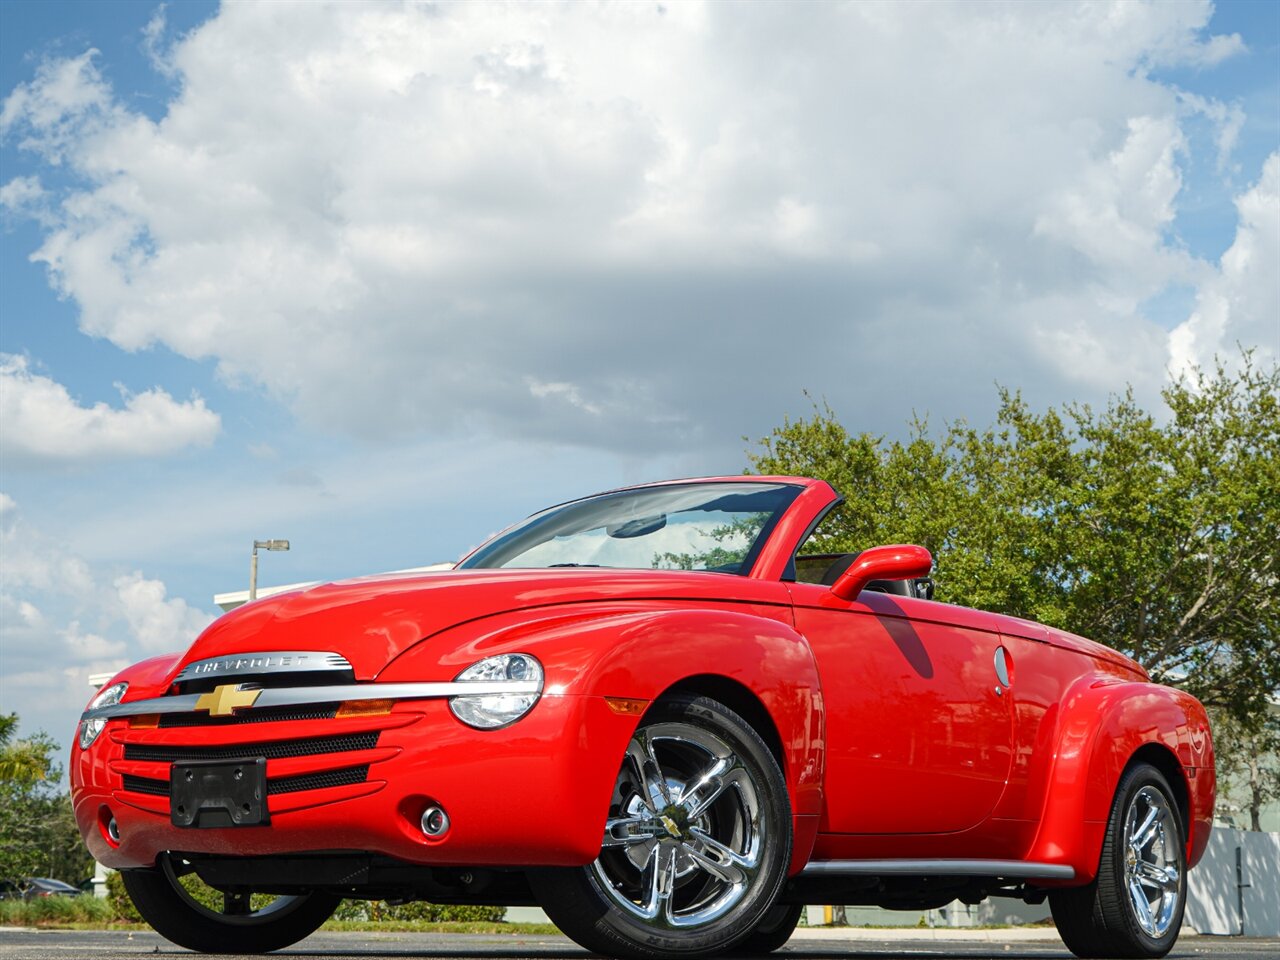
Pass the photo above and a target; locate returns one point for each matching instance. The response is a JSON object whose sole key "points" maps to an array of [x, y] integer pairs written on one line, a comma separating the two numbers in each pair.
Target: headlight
{"points": [[89, 729], [495, 710]]}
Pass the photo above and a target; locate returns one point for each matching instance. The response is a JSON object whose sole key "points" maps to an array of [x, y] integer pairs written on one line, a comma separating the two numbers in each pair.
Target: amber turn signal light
{"points": [[628, 708], [365, 708], [144, 721]]}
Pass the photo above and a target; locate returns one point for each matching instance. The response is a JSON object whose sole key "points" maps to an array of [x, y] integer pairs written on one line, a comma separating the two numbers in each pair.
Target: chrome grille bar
{"points": [[292, 696]]}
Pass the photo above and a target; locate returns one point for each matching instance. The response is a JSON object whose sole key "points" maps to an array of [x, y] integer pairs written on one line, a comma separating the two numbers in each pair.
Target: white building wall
{"points": [[1224, 900]]}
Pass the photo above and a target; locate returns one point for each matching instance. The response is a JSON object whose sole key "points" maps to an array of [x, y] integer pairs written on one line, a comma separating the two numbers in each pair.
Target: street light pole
{"points": [[253, 562]]}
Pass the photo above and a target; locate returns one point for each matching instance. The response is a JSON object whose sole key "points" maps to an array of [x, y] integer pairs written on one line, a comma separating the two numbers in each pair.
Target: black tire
{"points": [[166, 905], [1106, 918], [706, 861], [774, 930]]}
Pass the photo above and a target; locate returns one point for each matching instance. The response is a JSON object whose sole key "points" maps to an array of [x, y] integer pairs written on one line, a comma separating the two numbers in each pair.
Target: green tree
{"points": [[1158, 537], [1248, 763], [38, 834], [22, 761]]}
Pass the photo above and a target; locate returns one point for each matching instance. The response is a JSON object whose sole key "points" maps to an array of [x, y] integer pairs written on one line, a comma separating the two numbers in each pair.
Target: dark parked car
{"points": [[33, 887]]}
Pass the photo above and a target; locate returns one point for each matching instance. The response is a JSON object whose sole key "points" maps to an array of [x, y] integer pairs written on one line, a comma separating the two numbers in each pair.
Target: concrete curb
{"points": [[953, 934]]}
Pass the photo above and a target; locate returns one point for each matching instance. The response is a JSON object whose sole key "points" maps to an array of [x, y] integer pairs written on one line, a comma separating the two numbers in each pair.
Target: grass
{"points": [[446, 926], [91, 913]]}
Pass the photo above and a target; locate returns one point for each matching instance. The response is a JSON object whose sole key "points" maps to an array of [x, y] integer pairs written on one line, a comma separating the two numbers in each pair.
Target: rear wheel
{"points": [[695, 847], [246, 923], [1134, 907]]}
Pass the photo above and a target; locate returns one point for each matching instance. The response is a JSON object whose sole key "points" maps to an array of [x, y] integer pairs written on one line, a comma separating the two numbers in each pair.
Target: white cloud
{"points": [[63, 619], [29, 564], [153, 42], [1240, 303], [89, 647], [155, 621], [1118, 209], [636, 226], [1214, 50], [43, 423], [23, 195], [564, 391], [56, 107]]}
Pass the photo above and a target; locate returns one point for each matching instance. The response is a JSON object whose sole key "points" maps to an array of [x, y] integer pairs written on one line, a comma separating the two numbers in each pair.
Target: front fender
{"points": [[89, 771], [1104, 723], [639, 651]]}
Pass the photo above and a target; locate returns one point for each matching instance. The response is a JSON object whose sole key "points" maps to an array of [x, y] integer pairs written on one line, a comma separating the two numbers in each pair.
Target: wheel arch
{"points": [[747, 656], [1105, 728], [743, 701], [740, 699], [1163, 759], [755, 665]]}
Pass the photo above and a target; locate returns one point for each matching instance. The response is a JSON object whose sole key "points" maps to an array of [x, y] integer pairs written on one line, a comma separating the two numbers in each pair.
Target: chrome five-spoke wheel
{"points": [[1153, 865], [695, 845], [1134, 906], [684, 846]]}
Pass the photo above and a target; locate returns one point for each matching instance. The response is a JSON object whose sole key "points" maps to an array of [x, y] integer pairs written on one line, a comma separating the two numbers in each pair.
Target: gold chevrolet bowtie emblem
{"points": [[221, 701]]}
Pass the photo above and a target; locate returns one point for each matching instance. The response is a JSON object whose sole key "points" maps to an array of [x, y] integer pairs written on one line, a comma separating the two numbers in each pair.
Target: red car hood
{"points": [[372, 620]]}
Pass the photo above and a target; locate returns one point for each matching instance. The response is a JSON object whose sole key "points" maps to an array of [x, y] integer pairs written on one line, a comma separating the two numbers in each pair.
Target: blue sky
{"points": [[383, 278]]}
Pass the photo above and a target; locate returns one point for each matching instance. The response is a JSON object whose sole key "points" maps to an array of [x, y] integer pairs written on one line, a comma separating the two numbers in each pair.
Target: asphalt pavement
{"points": [[808, 944]]}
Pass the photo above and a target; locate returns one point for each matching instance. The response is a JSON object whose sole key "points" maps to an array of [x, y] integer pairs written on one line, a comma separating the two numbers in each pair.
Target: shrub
{"points": [[425, 912], [419, 911], [121, 906], [50, 911]]}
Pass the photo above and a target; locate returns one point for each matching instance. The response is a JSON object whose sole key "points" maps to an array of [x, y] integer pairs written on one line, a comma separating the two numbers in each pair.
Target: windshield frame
{"points": [[792, 492]]}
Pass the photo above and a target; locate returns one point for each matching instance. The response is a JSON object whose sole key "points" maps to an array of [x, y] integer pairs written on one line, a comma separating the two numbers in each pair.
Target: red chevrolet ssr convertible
{"points": [[658, 716]]}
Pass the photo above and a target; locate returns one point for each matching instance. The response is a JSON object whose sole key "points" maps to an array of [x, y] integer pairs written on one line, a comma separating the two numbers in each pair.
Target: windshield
{"points": [[688, 526]]}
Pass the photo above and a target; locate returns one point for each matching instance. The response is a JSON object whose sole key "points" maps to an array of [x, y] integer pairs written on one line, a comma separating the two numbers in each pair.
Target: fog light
{"points": [[113, 830], [435, 822]]}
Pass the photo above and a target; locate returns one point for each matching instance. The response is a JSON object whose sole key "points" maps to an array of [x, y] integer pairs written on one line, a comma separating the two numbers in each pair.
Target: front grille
{"points": [[159, 788], [317, 781], [299, 679], [306, 781], [272, 751], [317, 711]]}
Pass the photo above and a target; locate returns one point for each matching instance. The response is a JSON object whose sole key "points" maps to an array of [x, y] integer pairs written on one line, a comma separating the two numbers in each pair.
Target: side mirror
{"points": [[899, 562]]}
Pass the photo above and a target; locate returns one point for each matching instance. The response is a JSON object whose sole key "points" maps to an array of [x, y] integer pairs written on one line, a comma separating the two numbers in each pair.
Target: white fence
{"points": [[1236, 888]]}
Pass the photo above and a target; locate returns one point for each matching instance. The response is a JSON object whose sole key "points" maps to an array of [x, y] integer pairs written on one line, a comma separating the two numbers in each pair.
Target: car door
{"points": [[919, 731]]}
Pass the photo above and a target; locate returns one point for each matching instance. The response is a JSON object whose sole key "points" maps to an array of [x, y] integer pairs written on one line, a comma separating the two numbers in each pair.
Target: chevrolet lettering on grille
{"points": [[240, 664], [276, 661]]}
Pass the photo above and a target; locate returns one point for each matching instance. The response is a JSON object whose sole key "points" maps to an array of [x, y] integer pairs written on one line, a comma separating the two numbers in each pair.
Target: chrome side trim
{"points": [[295, 696], [941, 868], [275, 661]]}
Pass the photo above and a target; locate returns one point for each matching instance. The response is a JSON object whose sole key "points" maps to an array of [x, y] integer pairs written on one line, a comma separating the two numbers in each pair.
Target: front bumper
{"points": [[535, 793]]}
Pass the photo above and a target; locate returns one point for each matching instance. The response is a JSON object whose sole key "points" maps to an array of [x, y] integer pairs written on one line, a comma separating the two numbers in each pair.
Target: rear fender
{"points": [[1103, 726], [624, 653]]}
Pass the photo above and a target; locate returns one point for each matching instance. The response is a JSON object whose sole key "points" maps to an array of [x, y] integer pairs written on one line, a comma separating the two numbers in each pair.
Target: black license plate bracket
{"points": [[219, 793]]}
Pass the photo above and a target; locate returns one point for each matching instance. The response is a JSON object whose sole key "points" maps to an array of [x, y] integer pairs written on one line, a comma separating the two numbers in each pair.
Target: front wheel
{"points": [[774, 930], [1134, 907], [695, 847], [240, 926]]}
